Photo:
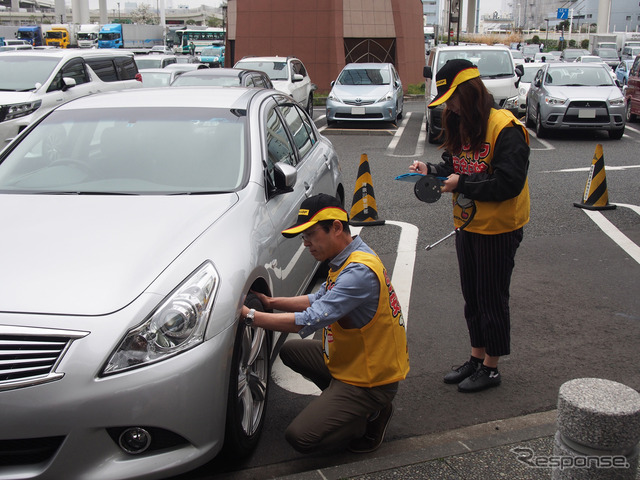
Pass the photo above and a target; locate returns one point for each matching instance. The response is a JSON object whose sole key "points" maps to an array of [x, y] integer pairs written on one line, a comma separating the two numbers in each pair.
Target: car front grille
{"points": [[28, 451], [572, 115], [29, 356], [360, 103], [364, 117]]}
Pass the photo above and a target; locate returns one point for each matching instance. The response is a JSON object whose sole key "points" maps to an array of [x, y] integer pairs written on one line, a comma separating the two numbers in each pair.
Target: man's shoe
{"points": [[465, 370], [374, 435], [480, 380]]}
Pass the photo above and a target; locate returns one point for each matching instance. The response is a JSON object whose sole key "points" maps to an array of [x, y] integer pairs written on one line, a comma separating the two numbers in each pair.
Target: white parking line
{"points": [[401, 279], [614, 234]]}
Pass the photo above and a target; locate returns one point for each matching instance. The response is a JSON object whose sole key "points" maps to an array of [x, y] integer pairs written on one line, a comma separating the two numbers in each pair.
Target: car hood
{"points": [[8, 98], [93, 255], [590, 93], [365, 92]]}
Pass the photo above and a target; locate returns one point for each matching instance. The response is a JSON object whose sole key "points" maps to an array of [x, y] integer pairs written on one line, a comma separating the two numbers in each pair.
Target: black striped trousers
{"points": [[486, 263]]}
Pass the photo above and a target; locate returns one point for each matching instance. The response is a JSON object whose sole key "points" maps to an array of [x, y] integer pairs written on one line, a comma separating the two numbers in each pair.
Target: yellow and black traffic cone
{"points": [[595, 192], [364, 211]]}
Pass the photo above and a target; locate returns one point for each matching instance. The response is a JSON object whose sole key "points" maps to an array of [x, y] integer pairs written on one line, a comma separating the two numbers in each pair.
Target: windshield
{"points": [[365, 76], [609, 53], [491, 63], [578, 76], [156, 79], [129, 151], [275, 70], [148, 62], [22, 73]]}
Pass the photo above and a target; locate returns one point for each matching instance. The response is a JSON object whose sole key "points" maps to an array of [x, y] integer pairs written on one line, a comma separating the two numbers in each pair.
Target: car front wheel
{"points": [[249, 381], [541, 132], [616, 134], [630, 116], [527, 118]]}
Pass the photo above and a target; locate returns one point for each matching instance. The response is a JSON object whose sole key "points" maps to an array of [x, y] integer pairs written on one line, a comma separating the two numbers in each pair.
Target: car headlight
{"points": [[176, 325], [617, 102], [386, 97], [18, 110], [522, 92], [554, 100], [332, 96], [511, 103]]}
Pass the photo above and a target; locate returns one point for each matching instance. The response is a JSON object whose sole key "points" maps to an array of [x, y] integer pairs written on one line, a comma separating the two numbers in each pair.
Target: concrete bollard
{"points": [[598, 431]]}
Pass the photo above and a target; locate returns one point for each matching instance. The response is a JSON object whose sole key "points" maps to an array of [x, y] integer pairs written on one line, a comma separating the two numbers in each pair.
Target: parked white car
{"points": [[288, 74], [33, 83]]}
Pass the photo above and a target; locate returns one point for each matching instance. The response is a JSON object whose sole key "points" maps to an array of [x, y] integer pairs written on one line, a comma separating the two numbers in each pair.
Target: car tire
{"points": [[431, 134], [541, 132], [527, 119], [310, 105], [616, 134], [248, 386], [631, 117]]}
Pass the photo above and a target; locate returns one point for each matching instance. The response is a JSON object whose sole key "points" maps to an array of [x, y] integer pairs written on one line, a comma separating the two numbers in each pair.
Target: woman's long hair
{"points": [[470, 126]]}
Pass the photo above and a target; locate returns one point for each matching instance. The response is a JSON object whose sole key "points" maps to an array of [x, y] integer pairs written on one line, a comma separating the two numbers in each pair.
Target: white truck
{"points": [[88, 35], [602, 40]]}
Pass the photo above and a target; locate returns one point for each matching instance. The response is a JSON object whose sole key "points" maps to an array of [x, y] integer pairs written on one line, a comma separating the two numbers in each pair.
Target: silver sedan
{"points": [[366, 91], [575, 96], [135, 227]]}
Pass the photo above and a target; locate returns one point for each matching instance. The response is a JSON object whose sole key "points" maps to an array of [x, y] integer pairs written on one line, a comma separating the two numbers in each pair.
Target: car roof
{"points": [[155, 55], [267, 59], [367, 65], [156, 70], [221, 72], [166, 97]]}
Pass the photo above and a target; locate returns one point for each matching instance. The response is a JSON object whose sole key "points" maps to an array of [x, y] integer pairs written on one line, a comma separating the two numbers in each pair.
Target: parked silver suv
{"points": [[288, 75]]}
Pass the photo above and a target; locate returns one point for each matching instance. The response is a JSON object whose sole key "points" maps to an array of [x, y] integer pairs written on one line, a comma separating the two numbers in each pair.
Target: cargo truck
{"points": [[61, 35], [117, 35], [602, 40], [30, 33], [88, 35]]}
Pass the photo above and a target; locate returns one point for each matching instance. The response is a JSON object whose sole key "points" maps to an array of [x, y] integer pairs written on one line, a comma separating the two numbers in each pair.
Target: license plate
{"points": [[587, 113], [357, 111]]}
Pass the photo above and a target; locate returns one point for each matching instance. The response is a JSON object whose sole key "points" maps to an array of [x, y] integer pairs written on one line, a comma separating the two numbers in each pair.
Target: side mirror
{"points": [[285, 177], [427, 72], [333, 82], [297, 77], [519, 70], [67, 83]]}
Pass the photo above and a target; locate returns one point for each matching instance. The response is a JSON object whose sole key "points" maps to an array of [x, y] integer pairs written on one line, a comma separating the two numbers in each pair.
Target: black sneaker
{"points": [[465, 370], [480, 380], [374, 435]]}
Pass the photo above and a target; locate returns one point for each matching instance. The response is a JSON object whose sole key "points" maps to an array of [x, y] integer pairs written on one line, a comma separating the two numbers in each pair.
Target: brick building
{"points": [[328, 34]]}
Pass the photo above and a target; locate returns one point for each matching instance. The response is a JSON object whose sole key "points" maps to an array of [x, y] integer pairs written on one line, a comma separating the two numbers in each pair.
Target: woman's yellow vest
{"points": [[491, 217], [376, 354]]}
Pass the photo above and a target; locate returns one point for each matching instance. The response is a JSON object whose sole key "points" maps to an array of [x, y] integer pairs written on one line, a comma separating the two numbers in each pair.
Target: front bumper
{"points": [[576, 116], [379, 111], [182, 400]]}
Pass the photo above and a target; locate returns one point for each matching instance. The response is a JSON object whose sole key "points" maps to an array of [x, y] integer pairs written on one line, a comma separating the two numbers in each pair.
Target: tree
{"points": [[144, 14], [214, 21]]}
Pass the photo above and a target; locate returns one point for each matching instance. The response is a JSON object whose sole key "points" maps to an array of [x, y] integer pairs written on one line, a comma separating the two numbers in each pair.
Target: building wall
{"points": [[314, 31]]}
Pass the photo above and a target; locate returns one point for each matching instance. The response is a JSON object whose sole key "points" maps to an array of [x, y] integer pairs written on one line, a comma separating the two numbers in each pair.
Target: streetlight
{"points": [[119, 20]]}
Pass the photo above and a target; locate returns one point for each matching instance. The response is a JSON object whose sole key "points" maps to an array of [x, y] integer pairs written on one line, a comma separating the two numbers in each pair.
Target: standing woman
{"points": [[485, 160]]}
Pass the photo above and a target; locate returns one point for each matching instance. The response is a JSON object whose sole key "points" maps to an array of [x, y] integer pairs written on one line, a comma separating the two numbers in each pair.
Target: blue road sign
{"points": [[563, 13]]}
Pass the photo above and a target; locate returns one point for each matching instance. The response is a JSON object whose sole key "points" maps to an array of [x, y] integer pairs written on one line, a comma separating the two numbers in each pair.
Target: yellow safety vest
{"points": [[376, 354], [491, 217]]}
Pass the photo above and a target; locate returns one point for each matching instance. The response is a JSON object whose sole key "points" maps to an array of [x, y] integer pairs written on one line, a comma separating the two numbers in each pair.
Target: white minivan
{"points": [[32, 83], [497, 72]]}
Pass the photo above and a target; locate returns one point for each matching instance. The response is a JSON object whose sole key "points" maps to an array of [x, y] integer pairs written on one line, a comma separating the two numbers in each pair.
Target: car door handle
{"points": [[308, 189]]}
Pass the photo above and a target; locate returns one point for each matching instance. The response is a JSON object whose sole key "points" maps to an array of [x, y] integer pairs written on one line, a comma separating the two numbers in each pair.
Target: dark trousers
{"points": [[340, 413], [486, 263]]}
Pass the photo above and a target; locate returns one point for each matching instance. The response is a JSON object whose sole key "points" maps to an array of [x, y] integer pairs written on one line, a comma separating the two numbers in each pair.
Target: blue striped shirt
{"points": [[355, 294]]}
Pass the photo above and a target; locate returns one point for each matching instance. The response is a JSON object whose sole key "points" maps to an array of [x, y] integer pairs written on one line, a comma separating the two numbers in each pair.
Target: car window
{"points": [[279, 147], [274, 70], [303, 135], [104, 68], [72, 69], [298, 67]]}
